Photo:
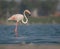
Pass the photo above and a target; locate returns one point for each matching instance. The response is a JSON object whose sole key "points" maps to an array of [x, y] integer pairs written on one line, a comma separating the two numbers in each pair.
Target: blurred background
{"points": [[45, 20], [42, 11]]}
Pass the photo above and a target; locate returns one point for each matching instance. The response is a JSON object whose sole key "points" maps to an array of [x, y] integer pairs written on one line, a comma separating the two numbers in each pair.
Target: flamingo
{"points": [[19, 18]]}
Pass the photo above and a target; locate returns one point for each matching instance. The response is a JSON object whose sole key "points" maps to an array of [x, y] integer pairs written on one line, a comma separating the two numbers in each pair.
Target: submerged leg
{"points": [[16, 32]]}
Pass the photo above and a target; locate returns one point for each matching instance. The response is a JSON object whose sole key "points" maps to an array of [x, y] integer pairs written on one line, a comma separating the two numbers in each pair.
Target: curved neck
{"points": [[24, 14], [25, 18]]}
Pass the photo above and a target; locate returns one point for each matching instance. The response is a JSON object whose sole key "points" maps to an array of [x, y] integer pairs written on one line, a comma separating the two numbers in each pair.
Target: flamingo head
{"points": [[27, 11]]}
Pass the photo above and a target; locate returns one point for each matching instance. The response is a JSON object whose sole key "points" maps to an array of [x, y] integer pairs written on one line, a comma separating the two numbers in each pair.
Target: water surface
{"points": [[37, 34]]}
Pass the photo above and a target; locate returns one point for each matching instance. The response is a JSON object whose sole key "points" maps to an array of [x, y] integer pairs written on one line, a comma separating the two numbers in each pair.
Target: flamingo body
{"points": [[19, 17]]}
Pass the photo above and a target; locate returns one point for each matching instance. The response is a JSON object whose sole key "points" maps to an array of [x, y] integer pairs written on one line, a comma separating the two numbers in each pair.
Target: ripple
{"points": [[36, 34]]}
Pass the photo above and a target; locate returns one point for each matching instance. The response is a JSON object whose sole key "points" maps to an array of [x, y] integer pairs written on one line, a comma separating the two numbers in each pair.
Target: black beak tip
{"points": [[29, 14]]}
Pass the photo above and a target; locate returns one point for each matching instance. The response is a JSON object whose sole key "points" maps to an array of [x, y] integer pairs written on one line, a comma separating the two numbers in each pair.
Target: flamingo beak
{"points": [[29, 13]]}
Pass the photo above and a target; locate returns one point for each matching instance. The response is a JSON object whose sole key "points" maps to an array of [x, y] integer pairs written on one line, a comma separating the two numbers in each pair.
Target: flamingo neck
{"points": [[25, 18]]}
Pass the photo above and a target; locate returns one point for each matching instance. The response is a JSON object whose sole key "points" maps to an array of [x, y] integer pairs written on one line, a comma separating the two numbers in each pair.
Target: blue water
{"points": [[37, 34]]}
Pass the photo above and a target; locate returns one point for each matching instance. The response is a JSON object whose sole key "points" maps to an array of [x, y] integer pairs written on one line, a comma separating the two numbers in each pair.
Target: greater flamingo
{"points": [[18, 18]]}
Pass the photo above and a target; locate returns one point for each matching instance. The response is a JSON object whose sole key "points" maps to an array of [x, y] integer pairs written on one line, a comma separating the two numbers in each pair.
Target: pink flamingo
{"points": [[18, 18]]}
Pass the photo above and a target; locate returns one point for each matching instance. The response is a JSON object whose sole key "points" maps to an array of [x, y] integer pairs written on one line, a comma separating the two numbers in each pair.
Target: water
{"points": [[36, 34]]}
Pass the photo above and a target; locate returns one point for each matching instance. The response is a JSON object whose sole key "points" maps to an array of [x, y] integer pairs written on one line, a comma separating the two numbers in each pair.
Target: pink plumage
{"points": [[18, 18]]}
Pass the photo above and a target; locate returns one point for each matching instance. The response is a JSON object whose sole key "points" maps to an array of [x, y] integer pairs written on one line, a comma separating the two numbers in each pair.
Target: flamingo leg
{"points": [[16, 28]]}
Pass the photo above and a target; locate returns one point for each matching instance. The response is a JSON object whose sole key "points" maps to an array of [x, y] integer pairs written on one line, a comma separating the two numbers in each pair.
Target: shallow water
{"points": [[37, 34]]}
